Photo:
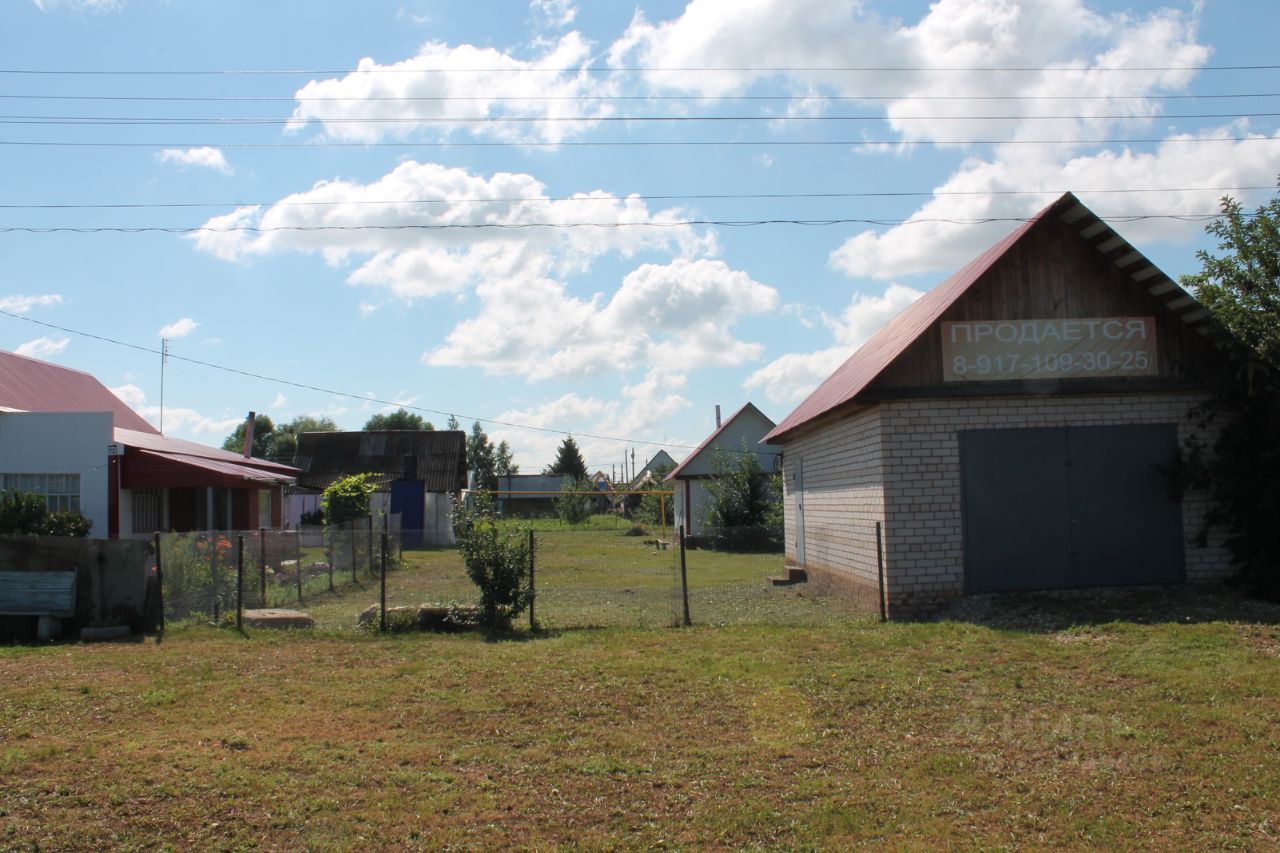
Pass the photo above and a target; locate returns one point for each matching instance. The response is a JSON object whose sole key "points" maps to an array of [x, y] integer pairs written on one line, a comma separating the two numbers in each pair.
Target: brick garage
{"points": [[1008, 431]]}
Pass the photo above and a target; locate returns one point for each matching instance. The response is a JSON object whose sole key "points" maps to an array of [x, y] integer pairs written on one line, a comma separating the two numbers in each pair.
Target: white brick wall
{"points": [[899, 463]]}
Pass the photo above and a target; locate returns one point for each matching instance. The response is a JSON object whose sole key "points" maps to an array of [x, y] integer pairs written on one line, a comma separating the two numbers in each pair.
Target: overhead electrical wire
{"points": [[168, 353], [639, 143], [520, 226], [146, 121], [626, 98], [597, 69], [637, 196]]}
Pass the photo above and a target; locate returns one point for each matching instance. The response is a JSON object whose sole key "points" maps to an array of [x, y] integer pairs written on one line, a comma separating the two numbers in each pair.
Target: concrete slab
{"points": [[276, 618]]}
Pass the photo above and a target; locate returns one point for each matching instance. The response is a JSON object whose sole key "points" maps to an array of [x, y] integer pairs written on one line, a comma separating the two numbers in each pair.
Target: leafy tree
{"points": [[347, 499], [573, 507], [502, 463], [399, 419], [745, 506], [23, 514], [568, 460], [497, 560], [1240, 469], [284, 445], [453, 423], [263, 438], [651, 508], [480, 458]]}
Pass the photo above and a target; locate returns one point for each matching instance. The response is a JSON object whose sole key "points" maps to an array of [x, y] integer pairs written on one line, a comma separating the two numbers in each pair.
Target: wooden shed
{"points": [[1008, 431]]}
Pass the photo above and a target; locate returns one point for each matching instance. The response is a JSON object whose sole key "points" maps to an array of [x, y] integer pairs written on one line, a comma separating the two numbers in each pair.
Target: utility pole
{"points": [[164, 357]]}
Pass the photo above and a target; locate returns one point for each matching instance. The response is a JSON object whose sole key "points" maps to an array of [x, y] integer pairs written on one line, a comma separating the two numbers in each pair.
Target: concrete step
{"points": [[794, 575]]}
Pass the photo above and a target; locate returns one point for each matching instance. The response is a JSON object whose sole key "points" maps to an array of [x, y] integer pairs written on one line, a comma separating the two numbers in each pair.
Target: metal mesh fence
{"points": [[598, 574]]}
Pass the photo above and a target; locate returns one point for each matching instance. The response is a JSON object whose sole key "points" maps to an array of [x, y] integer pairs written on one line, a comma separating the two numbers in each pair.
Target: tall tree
{"points": [[502, 464], [284, 445], [263, 438], [399, 419], [453, 423], [568, 460], [1240, 469], [480, 458]]}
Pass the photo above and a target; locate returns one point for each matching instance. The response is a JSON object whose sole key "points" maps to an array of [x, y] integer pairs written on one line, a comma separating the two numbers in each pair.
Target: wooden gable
{"points": [[1052, 272]]}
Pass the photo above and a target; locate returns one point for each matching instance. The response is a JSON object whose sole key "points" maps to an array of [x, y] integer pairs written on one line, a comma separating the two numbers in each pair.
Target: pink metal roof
{"points": [[186, 451], [30, 385], [861, 368], [710, 440]]}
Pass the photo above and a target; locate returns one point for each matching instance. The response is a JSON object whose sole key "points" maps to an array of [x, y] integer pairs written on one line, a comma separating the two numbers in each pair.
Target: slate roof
{"points": [[437, 457]]}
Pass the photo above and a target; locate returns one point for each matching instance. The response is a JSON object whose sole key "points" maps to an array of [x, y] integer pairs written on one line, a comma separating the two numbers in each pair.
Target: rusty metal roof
{"points": [[31, 385], [862, 368], [437, 457]]}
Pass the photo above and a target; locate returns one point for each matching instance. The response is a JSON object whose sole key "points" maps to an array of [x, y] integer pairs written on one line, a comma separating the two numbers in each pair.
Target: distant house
{"points": [[529, 495], [743, 431], [415, 471], [649, 473], [1009, 430], [65, 436]]}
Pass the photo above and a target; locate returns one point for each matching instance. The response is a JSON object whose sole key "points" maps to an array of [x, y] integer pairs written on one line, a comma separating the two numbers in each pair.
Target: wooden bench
{"points": [[49, 596]]}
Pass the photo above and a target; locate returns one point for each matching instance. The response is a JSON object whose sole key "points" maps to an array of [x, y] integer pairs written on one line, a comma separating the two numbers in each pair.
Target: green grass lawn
{"points": [[1108, 734]]}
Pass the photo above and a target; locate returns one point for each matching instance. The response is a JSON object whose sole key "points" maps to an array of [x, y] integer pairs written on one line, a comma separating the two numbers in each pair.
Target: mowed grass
{"points": [[1161, 736], [596, 576]]}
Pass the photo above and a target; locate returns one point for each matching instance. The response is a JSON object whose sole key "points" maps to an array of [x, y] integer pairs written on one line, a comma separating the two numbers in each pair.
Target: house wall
{"points": [[841, 469], [749, 427], [924, 530], [694, 517], [62, 443]]}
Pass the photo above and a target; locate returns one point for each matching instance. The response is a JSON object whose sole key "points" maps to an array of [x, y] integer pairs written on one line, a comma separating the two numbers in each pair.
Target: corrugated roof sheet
{"points": [[710, 440], [176, 447], [31, 385], [437, 457], [221, 467]]}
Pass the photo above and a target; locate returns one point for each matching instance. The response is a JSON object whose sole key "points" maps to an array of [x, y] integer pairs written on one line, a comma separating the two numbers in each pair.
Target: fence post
{"points": [[328, 535], [213, 575], [297, 559], [370, 541], [240, 584], [382, 595], [262, 565], [533, 586], [684, 579], [880, 570], [354, 562], [159, 587]]}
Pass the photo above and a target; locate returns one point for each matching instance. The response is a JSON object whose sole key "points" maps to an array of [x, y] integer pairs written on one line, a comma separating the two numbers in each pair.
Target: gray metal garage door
{"points": [[1069, 507]]}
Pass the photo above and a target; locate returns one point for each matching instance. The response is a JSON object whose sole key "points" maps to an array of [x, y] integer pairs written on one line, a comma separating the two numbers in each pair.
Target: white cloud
{"points": [[428, 92], [42, 347], [79, 5], [793, 376], [279, 402], [179, 328], [204, 158], [553, 14], [22, 304], [939, 245], [177, 419], [675, 316]]}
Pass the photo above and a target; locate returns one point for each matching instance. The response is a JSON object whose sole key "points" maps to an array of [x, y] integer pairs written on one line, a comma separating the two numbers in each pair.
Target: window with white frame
{"points": [[61, 492]]}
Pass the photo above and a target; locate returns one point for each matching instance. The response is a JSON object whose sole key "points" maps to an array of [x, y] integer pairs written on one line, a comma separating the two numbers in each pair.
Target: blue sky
{"points": [[551, 280]]}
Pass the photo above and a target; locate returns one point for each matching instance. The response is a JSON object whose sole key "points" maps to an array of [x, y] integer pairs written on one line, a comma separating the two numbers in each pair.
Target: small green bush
{"points": [[497, 559], [23, 514]]}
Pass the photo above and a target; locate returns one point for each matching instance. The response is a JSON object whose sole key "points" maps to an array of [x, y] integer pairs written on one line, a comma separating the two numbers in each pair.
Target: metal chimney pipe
{"points": [[717, 416], [248, 434]]}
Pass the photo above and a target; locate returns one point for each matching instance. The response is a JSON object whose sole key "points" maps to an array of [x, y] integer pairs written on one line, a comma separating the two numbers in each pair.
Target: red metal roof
{"points": [[710, 440], [861, 368], [211, 458], [30, 385], [147, 468]]}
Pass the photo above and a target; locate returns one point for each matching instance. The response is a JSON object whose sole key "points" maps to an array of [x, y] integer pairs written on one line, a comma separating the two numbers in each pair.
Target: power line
{"points": [[641, 143], [344, 394], [656, 197], [522, 226], [597, 69], [147, 121], [625, 98]]}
